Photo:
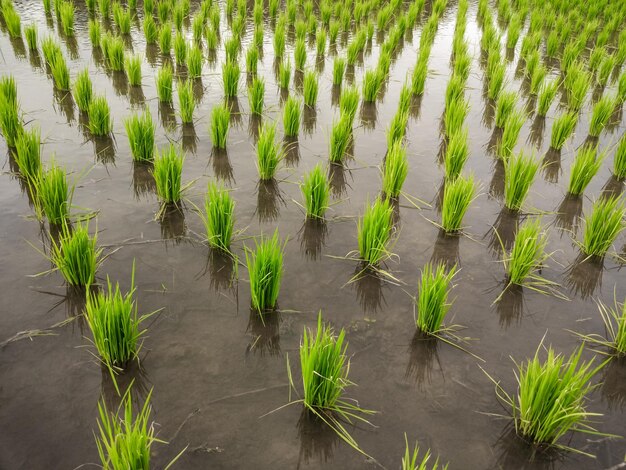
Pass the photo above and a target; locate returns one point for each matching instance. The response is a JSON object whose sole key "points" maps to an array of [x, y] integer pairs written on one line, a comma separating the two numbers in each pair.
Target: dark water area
{"points": [[217, 371]]}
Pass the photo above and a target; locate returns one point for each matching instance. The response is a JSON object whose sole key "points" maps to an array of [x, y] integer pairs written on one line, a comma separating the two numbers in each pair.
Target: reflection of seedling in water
{"points": [[265, 269], [602, 226], [140, 131]]}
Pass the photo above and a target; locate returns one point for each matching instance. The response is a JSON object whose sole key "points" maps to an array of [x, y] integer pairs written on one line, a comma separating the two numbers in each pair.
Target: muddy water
{"points": [[216, 369]]}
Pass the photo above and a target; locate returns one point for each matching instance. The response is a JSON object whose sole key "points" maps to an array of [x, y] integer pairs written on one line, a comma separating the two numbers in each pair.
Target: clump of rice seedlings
{"points": [[256, 95], [333, 31], [231, 48], [100, 122], [28, 153], [527, 253], [614, 319], [606, 67], [186, 101], [150, 30], [30, 32], [51, 50], [418, 81], [619, 160], [551, 397], [457, 196], [315, 192], [339, 67], [115, 53], [512, 127], [397, 127], [47, 7], [372, 82], [600, 115], [268, 152], [219, 218], [104, 6], [300, 54], [339, 139], [91, 6], [194, 62], [95, 33], [537, 78], [291, 117], [60, 72], [53, 194], [258, 36], [432, 299], [211, 37], [455, 115], [562, 129], [76, 255], [621, 89], [180, 49], [547, 93], [578, 89], [603, 225], [519, 174], [140, 130], [411, 461], [252, 60], [8, 89], [167, 172], [122, 18], [165, 38], [457, 152], [265, 268], [284, 74], [348, 104], [320, 42], [585, 167], [395, 170], [279, 41], [11, 19], [310, 89], [230, 78], [164, 81], [496, 81], [374, 231], [115, 324], [132, 64], [220, 118], [504, 107], [83, 90], [10, 120]]}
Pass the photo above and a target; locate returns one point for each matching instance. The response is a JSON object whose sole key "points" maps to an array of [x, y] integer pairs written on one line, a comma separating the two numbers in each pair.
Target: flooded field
{"points": [[216, 367]]}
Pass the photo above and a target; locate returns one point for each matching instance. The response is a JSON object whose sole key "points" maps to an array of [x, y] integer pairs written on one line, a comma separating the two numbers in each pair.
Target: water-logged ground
{"points": [[215, 368]]}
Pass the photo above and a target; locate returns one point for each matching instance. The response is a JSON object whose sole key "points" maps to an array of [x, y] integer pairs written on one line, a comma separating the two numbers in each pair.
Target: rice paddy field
{"points": [[311, 234]]}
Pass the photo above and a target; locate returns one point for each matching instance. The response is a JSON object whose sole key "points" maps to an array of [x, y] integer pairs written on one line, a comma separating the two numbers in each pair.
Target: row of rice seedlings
{"points": [[186, 101], [269, 152], [100, 121], [374, 231], [220, 119], [603, 225], [586, 164], [140, 130], [291, 117], [219, 218], [28, 154], [519, 174], [164, 83], [167, 172], [315, 190], [562, 129], [83, 90], [76, 255], [432, 304], [265, 269], [457, 196]]}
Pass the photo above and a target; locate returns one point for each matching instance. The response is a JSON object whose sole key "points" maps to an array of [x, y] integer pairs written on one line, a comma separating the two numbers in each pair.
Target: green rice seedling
{"points": [[519, 174], [562, 129], [123, 20], [601, 114], [320, 42], [167, 172], [180, 49], [496, 81], [10, 121], [265, 269], [100, 122], [619, 160], [219, 218], [28, 154], [411, 460], [178, 14], [8, 90], [455, 116], [606, 67], [11, 19], [197, 28], [457, 196], [315, 192], [231, 48], [150, 30], [95, 33], [395, 170], [194, 62], [300, 54], [527, 253], [621, 89], [51, 50], [163, 11], [132, 64], [115, 54], [291, 117], [333, 31], [47, 7], [67, 18], [537, 78], [115, 324], [397, 127], [252, 60], [258, 36], [547, 93], [504, 107], [432, 299], [585, 167], [284, 74], [164, 81], [457, 152], [339, 139], [53, 195], [211, 37], [230, 78], [279, 41], [140, 130], [404, 101], [256, 95], [76, 255], [578, 90], [30, 32], [83, 90], [372, 82], [268, 152], [220, 118], [455, 91], [614, 319], [348, 104], [339, 67], [91, 6], [104, 6], [165, 38], [310, 89], [510, 134], [603, 225], [374, 231], [186, 101], [551, 397], [60, 73]]}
